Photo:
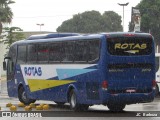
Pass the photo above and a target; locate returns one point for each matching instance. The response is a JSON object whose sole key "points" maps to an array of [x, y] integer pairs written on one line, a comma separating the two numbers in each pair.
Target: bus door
{"points": [[11, 86], [11, 81]]}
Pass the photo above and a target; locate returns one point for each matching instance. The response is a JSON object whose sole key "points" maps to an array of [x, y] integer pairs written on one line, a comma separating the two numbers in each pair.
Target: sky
{"points": [[51, 13]]}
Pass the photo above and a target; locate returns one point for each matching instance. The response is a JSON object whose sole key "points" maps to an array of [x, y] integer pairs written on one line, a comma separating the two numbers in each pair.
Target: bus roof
{"points": [[51, 35], [136, 34], [75, 36]]}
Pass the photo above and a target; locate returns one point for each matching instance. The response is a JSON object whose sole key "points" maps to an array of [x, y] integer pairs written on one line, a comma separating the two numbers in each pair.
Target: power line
{"points": [[61, 15], [43, 16]]}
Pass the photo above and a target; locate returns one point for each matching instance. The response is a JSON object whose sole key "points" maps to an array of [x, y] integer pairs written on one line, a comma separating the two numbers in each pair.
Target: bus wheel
{"points": [[115, 107], [73, 102], [23, 97], [60, 103]]}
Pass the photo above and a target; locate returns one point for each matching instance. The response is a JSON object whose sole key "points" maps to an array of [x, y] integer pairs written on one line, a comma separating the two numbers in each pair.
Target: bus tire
{"points": [[73, 102], [23, 97], [115, 107]]}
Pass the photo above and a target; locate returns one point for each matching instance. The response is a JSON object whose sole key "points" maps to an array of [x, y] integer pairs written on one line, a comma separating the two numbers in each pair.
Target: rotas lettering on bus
{"points": [[33, 71]]}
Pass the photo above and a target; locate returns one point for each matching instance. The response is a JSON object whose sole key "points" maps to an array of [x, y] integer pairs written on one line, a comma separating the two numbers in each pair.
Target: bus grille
{"points": [[92, 90]]}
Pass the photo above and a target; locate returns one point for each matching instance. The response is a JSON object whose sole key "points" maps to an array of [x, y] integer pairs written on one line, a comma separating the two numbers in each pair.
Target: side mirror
{"points": [[4, 66], [4, 63]]}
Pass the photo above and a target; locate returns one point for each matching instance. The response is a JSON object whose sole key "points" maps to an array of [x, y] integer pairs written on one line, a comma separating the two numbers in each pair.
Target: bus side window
{"points": [[43, 52], [13, 53], [21, 54], [68, 50], [31, 54], [10, 67], [55, 52], [80, 51], [94, 48]]}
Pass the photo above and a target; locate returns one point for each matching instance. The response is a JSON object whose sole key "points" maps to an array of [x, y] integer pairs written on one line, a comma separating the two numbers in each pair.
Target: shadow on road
{"points": [[64, 111]]}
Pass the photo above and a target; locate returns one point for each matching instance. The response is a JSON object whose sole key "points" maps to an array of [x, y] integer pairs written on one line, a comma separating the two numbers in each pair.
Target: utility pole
{"points": [[40, 25], [125, 4]]}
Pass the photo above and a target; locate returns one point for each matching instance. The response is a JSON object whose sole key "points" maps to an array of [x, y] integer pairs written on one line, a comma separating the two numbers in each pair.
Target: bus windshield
{"points": [[129, 46]]}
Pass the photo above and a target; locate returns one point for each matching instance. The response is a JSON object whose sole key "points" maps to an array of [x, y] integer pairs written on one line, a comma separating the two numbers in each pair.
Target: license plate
{"points": [[131, 91]]}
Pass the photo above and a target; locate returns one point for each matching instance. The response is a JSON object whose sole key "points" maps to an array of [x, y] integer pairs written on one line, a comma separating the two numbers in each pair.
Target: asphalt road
{"points": [[136, 111]]}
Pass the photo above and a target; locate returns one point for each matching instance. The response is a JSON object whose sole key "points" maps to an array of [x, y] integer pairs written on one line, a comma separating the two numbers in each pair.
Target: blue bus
{"points": [[112, 69]]}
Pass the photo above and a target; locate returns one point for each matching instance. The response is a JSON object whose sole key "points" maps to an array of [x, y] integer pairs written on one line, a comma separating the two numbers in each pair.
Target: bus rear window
{"points": [[129, 46]]}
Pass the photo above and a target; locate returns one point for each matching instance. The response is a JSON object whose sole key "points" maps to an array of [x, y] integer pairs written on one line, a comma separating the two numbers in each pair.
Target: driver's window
{"points": [[10, 67]]}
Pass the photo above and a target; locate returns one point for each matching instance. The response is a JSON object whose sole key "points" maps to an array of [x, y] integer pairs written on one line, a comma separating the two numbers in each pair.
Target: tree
{"points": [[5, 12], [150, 17], [91, 22], [112, 21], [13, 34]]}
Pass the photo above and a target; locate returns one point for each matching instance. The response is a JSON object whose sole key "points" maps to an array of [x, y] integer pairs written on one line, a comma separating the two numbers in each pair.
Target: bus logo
{"points": [[132, 51], [32, 71], [130, 46]]}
